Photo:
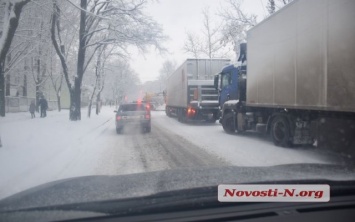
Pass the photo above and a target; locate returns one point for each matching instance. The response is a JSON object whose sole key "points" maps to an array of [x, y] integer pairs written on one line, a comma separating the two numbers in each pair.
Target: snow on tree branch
{"points": [[236, 23], [12, 12], [11, 16]]}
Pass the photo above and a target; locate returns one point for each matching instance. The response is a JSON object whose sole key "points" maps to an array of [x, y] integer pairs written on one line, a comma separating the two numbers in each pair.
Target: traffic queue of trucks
{"points": [[295, 72], [190, 92]]}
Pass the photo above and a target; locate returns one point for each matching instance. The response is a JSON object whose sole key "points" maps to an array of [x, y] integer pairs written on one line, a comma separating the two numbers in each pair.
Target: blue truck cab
{"points": [[231, 84]]}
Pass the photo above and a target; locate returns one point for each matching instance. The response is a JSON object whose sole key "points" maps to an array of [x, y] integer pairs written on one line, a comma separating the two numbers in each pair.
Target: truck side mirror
{"points": [[216, 80], [243, 52]]}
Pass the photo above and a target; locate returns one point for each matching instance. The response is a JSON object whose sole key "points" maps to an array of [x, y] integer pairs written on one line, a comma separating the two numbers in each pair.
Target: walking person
{"points": [[44, 106], [32, 109]]}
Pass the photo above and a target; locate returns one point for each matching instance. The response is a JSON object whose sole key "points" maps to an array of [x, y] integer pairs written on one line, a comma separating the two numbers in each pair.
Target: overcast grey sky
{"points": [[177, 17]]}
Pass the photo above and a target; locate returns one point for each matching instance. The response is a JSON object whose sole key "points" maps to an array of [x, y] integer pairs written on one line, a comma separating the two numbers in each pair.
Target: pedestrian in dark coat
{"points": [[44, 106], [32, 109]]}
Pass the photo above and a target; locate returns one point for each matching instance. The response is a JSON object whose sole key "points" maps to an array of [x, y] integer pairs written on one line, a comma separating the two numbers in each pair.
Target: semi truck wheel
{"points": [[280, 132], [228, 124], [181, 115]]}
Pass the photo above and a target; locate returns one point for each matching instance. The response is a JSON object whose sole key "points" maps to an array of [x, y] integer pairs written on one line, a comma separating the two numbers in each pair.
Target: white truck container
{"points": [[298, 81], [190, 92], [303, 57]]}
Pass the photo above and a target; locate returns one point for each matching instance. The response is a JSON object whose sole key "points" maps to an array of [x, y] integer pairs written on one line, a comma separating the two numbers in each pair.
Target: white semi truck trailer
{"points": [[296, 74], [190, 92]]}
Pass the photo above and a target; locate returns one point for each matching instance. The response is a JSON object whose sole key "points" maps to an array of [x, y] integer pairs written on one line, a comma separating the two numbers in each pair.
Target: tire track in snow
{"points": [[162, 150]]}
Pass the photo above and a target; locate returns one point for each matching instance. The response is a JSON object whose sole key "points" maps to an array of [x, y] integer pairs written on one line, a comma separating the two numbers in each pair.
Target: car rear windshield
{"points": [[132, 107]]}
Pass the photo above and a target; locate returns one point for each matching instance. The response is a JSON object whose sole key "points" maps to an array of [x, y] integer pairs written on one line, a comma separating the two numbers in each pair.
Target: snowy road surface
{"points": [[36, 151]]}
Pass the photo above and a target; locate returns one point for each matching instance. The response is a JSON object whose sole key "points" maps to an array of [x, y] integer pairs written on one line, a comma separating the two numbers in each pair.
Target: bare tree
{"points": [[11, 16], [120, 80], [18, 52], [286, 1], [193, 45], [236, 23], [212, 46], [57, 83], [103, 55], [271, 7], [40, 58], [117, 22], [210, 42], [166, 70], [29, 54]]}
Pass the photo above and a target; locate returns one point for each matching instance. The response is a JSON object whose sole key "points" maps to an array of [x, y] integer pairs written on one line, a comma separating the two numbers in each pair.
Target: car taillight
{"points": [[191, 111], [118, 118], [147, 116]]}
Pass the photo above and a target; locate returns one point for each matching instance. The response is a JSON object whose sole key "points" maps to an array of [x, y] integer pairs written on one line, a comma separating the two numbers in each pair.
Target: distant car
{"points": [[134, 114]]}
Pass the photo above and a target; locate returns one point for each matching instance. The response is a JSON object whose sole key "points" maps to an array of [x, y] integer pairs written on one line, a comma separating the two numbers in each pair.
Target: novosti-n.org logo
{"points": [[274, 193]]}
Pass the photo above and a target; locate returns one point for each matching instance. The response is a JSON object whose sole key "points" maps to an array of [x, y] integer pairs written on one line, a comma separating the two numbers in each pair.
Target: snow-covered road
{"points": [[36, 151], [248, 149]]}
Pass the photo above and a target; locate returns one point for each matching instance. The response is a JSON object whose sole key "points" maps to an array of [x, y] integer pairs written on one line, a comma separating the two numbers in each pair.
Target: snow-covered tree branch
{"points": [[11, 16], [235, 24], [102, 23], [209, 43]]}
